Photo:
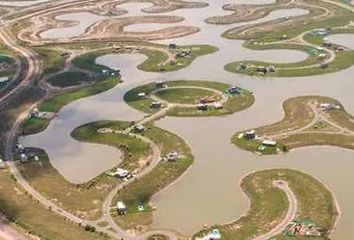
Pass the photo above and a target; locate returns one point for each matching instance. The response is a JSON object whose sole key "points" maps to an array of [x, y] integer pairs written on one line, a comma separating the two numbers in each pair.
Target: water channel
{"points": [[209, 193]]}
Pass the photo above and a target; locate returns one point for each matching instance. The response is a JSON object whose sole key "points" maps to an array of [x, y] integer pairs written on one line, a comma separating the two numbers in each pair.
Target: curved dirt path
{"points": [[290, 216], [31, 69]]}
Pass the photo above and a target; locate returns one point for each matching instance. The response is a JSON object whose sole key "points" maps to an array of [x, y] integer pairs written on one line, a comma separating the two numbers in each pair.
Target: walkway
{"points": [[290, 216]]}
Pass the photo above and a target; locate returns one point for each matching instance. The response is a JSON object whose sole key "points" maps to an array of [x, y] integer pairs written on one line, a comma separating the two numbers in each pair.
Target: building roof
{"points": [[121, 205], [269, 142]]}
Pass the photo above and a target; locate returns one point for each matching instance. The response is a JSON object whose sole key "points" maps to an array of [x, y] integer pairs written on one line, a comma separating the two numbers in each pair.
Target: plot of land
{"points": [[269, 205], [310, 120]]}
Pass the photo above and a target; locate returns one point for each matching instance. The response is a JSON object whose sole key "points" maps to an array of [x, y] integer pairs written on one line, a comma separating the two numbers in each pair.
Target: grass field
{"points": [[152, 64], [134, 149], [69, 79], [297, 129], [141, 190], [184, 95], [235, 102], [84, 200], [155, 58], [269, 204], [272, 31], [343, 60], [54, 104], [30, 215], [341, 17], [53, 60]]}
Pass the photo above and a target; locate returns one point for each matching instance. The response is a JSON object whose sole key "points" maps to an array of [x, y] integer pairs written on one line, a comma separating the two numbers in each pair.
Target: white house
{"points": [[2, 164], [121, 208], [172, 156], [141, 95], [218, 105], [269, 143], [121, 173]]}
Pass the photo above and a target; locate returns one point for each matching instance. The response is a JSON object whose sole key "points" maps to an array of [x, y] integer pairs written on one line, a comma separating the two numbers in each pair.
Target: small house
{"points": [[129, 48], [322, 56], [233, 90], [324, 65], [213, 235], [242, 66], [2, 164], [121, 208], [156, 105], [23, 157], [172, 46], [284, 37], [329, 106], [271, 69], [218, 105], [141, 95], [249, 135], [105, 72], [19, 147], [160, 84], [327, 44], [202, 107], [34, 113], [121, 173], [269, 143], [262, 69], [339, 48], [172, 156], [139, 128]]}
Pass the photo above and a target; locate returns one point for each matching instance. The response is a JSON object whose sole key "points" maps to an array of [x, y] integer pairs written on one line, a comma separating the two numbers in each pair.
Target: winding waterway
{"points": [[22, 3], [209, 192]]}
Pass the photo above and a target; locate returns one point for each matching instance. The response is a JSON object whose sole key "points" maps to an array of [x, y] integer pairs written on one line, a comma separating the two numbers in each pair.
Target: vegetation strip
{"points": [[309, 120], [324, 57], [269, 205], [217, 98]]}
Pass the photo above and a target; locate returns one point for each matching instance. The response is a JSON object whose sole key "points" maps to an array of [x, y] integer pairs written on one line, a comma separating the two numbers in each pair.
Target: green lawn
{"points": [[84, 198], [341, 17], [33, 217], [56, 103], [343, 60], [134, 149], [155, 58], [32, 126], [53, 60], [69, 79], [264, 35], [141, 190], [253, 145], [298, 115], [184, 95], [153, 62], [269, 204], [235, 102]]}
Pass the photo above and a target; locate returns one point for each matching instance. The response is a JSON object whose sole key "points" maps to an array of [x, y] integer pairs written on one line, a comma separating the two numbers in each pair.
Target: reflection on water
{"points": [[346, 40], [84, 19], [209, 192]]}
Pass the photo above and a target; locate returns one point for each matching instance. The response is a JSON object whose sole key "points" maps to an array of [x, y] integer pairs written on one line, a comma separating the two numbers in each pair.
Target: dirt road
{"points": [[291, 214]]}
